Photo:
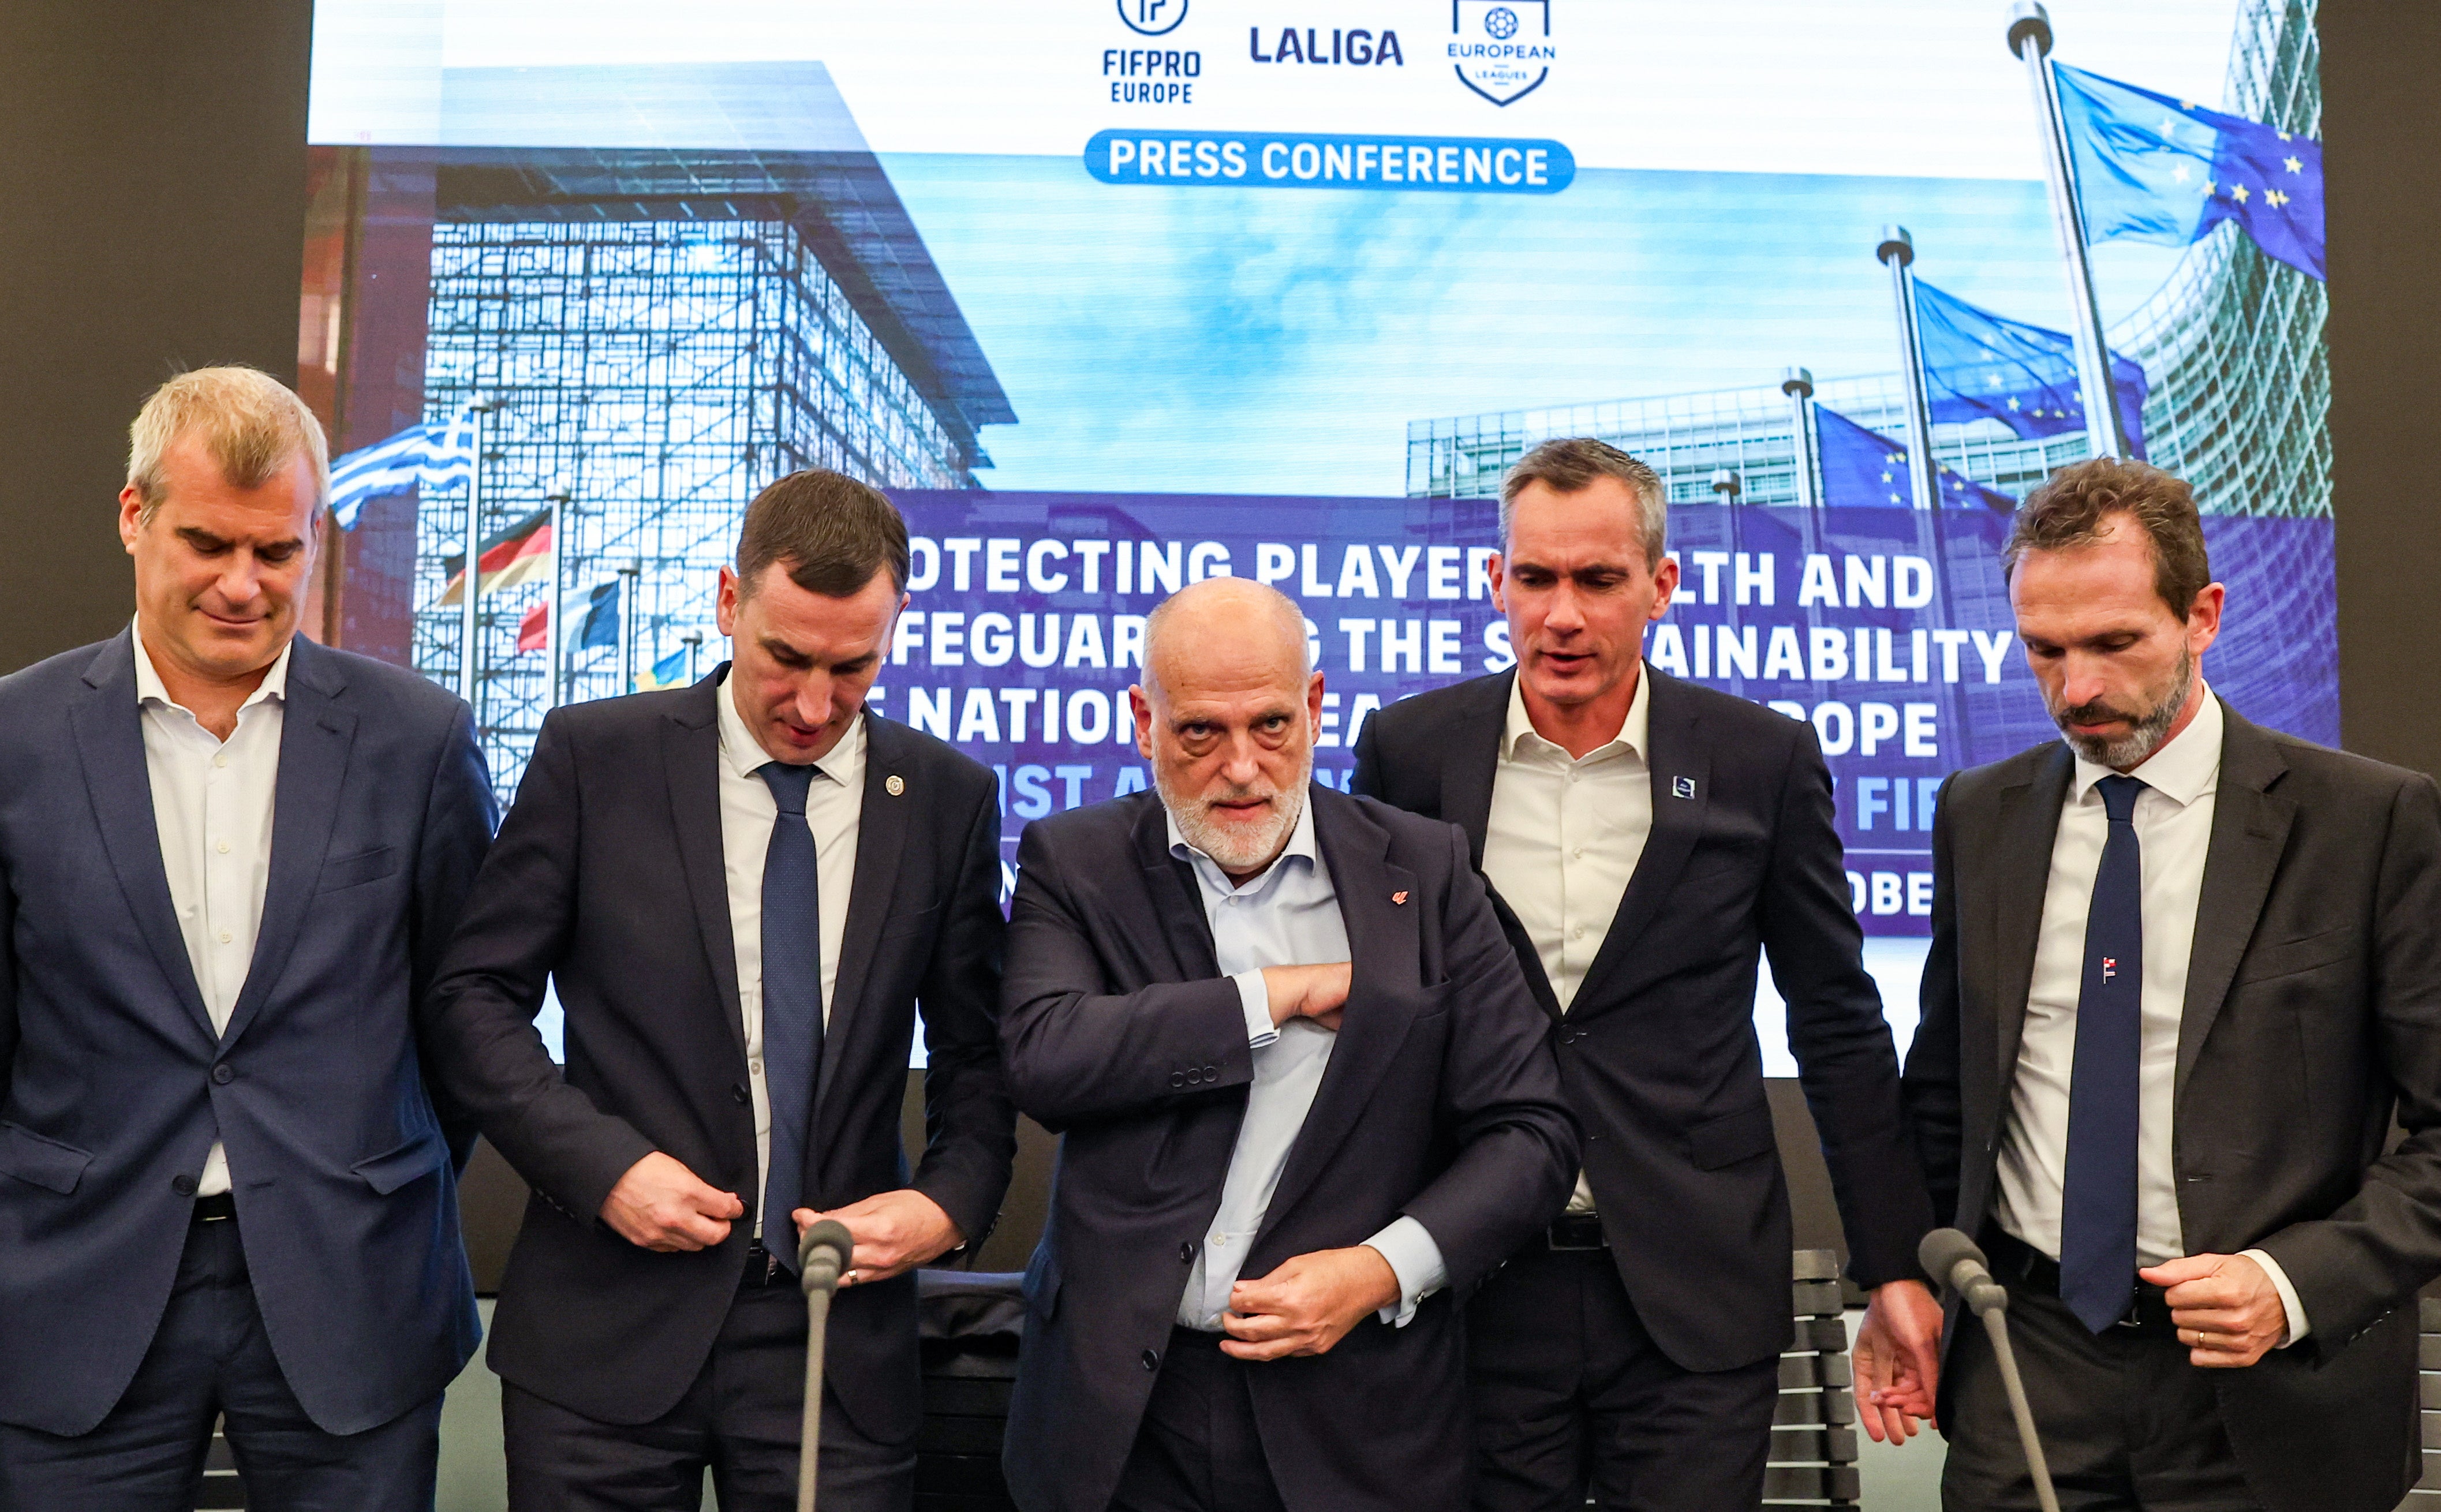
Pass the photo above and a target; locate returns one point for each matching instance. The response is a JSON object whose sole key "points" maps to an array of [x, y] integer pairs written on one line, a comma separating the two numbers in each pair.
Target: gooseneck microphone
{"points": [[821, 1254], [1957, 1263]]}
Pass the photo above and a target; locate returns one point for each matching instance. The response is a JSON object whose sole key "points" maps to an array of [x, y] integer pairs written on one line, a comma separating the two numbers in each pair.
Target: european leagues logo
{"points": [[1501, 48], [1153, 18]]}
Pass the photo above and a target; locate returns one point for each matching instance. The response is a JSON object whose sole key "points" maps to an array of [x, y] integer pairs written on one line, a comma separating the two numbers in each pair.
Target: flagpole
{"points": [[2030, 38], [1797, 384], [553, 646], [694, 643], [470, 581], [630, 579], [1897, 253]]}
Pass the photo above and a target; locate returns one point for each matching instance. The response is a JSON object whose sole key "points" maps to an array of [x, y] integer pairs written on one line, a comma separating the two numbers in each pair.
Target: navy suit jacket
{"points": [[112, 1085], [608, 881], [1659, 1049], [1441, 1102]]}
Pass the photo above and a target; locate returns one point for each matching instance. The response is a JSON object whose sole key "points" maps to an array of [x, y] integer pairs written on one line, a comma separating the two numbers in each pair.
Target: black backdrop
{"points": [[151, 205]]}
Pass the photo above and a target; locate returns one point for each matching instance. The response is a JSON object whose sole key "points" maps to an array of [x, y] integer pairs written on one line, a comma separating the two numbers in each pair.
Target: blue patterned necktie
{"points": [[792, 1001], [2098, 1205]]}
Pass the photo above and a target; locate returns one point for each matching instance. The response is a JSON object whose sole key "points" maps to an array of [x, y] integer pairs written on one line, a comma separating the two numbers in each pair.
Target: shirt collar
{"points": [[2182, 770], [745, 755], [1632, 736], [1300, 846], [150, 689]]}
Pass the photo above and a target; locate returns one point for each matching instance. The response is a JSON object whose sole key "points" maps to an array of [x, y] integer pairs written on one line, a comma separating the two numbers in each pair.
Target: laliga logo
{"points": [[1501, 48], [1153, 18]]}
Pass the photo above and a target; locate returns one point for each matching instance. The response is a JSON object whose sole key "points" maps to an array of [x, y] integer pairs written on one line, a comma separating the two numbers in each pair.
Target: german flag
{"points": [[521, 553]]}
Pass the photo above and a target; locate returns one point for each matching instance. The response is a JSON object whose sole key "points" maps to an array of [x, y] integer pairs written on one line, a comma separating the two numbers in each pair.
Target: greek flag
{"points": [[436, 456]]}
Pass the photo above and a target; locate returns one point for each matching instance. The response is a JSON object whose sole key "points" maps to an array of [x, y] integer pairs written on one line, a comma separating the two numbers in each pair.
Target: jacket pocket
{"points": [[46, 1164], [2291, 958], [421, 1156], [1731, 1137], [920, 921], [354, 870]]}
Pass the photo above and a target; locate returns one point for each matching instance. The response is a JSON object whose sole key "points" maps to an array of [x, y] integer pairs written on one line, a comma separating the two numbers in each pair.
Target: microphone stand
{"points": [[821, 1256], [1955, 1259]]}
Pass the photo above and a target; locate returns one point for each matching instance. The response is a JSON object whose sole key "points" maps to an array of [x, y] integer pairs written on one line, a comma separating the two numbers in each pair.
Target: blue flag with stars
{"points": [[2153, 169], [1862, 468], [1980, 366]]}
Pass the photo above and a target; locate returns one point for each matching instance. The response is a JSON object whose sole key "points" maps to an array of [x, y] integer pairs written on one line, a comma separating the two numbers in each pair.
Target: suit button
{"points": [[1176, 1078], [1186, 1253], [222, 1074], [1211, 1073], [184, 1184], [1152, 1360], [740, 1094]]}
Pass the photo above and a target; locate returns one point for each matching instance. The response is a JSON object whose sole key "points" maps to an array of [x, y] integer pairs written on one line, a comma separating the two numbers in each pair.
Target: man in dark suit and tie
{"points": [[740, 890], [1647, 840], [2185, 974], [1306, 1106], [229, 860]]}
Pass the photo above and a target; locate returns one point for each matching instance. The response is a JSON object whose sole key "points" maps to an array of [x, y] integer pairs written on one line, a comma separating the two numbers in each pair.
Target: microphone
{"points": [[1957, 1263], [822, 1253]]}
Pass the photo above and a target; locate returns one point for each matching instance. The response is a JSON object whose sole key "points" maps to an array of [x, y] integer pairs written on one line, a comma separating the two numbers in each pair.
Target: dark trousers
{"points": [[742, 1419], [1573, 1399], [209, 1360], [1198, 1449], [2127, 1422]]}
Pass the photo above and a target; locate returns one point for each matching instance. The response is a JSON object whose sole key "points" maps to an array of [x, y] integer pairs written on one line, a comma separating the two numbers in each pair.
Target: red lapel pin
{"points": [[1397, 898]]}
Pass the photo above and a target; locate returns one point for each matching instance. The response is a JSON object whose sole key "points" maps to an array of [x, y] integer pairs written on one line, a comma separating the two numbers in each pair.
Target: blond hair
{"points": [[250, 423]]}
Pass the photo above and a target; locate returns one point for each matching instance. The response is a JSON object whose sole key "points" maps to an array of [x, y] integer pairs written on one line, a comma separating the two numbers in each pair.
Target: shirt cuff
{"points": [[1256, 999], [2289, 1303], [1415, 1260]]}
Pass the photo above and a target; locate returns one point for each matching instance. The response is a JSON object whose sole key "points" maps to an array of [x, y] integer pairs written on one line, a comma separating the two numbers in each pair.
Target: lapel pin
{"points": [[895, 786], [1399, 897], [1682, 786]]}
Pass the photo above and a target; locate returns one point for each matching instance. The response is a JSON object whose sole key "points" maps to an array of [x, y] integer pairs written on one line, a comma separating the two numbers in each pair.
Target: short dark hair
{"points": [[833, 533], [1570, 464], [2074, 505]]}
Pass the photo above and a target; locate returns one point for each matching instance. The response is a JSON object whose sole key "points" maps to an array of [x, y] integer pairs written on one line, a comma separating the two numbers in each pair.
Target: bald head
{"points": [[1226, 715]]}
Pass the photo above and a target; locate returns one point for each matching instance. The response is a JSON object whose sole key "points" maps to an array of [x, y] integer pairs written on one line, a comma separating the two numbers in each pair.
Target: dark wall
{"points": [[151, 207]]}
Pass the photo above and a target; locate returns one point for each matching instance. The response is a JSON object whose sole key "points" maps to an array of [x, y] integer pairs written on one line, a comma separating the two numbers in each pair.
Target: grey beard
{"points": [[2137, 745], [1214, 841]]}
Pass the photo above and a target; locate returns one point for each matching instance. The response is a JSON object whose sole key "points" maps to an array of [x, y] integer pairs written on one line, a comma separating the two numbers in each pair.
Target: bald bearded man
{"points": [[1308, 1102]]}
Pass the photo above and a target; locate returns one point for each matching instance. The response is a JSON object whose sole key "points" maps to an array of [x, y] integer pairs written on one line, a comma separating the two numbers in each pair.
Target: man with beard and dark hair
{"points": [[1307, 1104], [2184, 976]]}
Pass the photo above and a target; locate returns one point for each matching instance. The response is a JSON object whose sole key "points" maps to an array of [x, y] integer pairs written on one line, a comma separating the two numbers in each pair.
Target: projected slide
{"points": [[1115, 294]]}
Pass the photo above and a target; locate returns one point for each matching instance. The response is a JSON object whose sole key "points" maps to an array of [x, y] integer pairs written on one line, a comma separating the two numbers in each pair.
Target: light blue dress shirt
{"points": [[1289, 916]]}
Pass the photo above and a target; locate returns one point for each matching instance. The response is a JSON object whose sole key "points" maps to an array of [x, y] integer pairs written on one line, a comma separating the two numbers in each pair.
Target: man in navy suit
{"points": [[1307, 1103], [229, 860]]}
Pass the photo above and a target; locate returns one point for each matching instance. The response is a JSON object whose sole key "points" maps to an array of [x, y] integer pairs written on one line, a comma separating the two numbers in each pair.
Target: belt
{"points": [[218, 1208], [2015, 1261], [1576, 1231], [762, 1269]]}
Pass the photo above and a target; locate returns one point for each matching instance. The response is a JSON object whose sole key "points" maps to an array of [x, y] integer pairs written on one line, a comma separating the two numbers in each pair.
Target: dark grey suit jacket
{"points": [[2312, 1017], [1440, 1103]]}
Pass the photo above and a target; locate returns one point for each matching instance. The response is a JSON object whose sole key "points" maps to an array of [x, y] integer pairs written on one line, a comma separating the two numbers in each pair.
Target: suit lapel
{"points": [[315, 737], [1176, 901], [691, 767], [2029, 825], [881, 839], [110, 747], [2250, 831], [1681, 767], [1470, 760], [1384, 945]]}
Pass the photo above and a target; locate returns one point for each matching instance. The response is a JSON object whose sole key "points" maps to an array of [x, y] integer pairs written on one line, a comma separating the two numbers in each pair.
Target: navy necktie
{"points": [[2098, 1207], [792, 1001]]}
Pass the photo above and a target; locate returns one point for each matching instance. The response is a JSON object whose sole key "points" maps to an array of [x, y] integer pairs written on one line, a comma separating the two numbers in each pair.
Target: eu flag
{"points": [[1863, 469], [599, 626], [2153, 169], [1978, 366]]}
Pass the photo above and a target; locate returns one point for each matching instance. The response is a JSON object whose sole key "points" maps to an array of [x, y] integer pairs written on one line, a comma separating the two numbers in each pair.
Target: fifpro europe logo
{"points": [[1501, 48], [1152, 18]]}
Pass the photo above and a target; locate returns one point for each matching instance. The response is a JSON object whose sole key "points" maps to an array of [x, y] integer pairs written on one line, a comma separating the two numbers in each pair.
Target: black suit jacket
{"points": [[1441, 1102], [1658, 1050], [608, 880], [2312, 1016]]}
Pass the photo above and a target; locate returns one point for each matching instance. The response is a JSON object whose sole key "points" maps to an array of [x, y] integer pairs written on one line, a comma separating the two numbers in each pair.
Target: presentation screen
{"points": [[1111, 295]]}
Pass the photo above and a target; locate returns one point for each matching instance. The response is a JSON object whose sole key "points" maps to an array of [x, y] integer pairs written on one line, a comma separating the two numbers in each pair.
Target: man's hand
{"points": [[1898, 1361], [894, 1231], [1309, 1303], [1308, 992], [660, 1205], [2226, 1309]]}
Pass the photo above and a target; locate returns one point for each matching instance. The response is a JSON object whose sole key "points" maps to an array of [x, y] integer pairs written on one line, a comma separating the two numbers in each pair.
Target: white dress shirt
{"points": [[213, 806], [1563, 837], [1289, 916], [2173, 821], [835, 813]]}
